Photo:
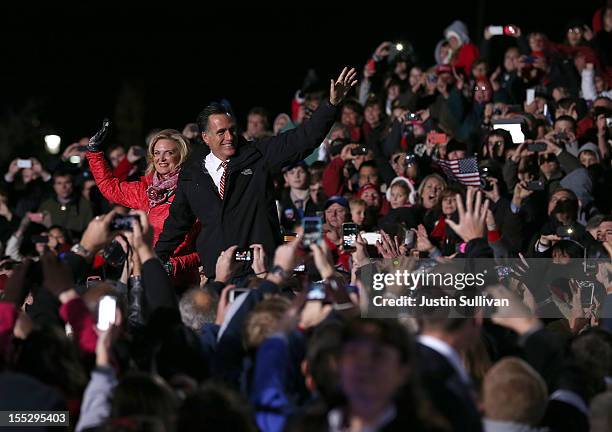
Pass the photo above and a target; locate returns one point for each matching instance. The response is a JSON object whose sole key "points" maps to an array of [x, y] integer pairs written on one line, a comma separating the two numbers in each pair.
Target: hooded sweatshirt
{"points": [[468, 52]]}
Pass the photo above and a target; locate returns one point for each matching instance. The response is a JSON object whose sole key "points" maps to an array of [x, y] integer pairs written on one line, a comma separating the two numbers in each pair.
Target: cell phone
{"points": [[243, 255], [349, 235], [316, 291], [586, 297], [530, 97], [565, 231], [93, 281], [371, 237], [536, 146], [40, 239], [510, 30], [503, 272], [24, 163], [361, 150], [410, 159], [561, 136], [413, 118], [123, 222], [536, 185], [234, 293], [114, 255], [107, 309], [437, 137], [514, 126], [313, 230], [409, 239], [496, 30]]}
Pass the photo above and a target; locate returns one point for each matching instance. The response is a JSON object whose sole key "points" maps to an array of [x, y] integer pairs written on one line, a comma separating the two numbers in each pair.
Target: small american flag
{"points": [[465, 171]]}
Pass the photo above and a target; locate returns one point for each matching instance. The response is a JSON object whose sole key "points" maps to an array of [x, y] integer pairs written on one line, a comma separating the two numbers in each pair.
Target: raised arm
{"points": [[311, 133], [128, 194]]}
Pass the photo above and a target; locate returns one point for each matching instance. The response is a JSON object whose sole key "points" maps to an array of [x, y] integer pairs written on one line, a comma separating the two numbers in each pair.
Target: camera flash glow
{"points": [[399, 47], [52, 143]]}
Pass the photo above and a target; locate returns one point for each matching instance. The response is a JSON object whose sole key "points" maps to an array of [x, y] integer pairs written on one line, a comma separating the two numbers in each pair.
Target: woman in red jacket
{"points": [[154, 192]]}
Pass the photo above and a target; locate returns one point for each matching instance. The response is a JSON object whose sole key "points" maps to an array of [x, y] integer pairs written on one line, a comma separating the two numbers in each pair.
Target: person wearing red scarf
{"points": [[153, 193]]}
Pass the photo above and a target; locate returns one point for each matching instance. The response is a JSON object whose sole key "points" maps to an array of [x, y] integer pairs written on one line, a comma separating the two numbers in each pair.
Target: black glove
{"points": [[95, 142]]}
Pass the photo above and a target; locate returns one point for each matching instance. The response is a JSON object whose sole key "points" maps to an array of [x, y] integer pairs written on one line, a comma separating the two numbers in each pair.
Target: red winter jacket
{"points": [[467, 54], [134, 195]]}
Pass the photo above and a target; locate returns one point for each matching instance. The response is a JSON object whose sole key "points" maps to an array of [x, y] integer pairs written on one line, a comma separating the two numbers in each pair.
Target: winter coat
{"points": [[134, 195]]}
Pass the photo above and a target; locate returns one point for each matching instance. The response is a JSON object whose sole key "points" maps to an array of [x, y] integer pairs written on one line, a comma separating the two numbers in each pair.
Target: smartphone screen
{"points": [[371, 237], [349, 235], [313, 230], [530, 96], [316, 291], [24, 163], [496, 30], [106, 312], [243, 254]]}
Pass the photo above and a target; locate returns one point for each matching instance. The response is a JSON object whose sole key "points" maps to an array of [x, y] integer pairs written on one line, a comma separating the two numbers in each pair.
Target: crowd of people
{"points": [[227, 316]]}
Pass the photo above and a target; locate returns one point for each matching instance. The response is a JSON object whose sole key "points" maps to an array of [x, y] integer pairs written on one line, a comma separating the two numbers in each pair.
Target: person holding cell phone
{"points": [[153, 193], [27, 182]]}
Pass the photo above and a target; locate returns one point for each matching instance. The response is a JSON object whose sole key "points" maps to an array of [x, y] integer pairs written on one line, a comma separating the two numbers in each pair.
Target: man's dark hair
{"points": [[62, 173], [261, 111], [371, 164], [567, 119], [354, 106], [211, 109]]}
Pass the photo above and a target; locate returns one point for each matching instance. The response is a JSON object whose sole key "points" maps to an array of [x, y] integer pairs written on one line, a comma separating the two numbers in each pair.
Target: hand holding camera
{"points": [[141, 236], [226, 264]]}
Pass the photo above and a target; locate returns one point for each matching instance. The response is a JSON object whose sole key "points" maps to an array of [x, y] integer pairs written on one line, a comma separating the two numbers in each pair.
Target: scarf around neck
{"points": [[160, 189]]}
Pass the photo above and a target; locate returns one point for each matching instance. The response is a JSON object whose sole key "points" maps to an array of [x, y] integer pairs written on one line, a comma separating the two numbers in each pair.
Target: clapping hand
{"points": [[339, 89], [96, 141]]}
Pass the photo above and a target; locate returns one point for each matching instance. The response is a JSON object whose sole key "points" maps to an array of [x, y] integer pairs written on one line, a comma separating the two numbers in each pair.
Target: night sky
{"points": [[65, 69]]}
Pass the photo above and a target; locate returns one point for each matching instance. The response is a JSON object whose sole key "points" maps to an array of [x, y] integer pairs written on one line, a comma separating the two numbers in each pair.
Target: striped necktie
{"points": [[222, 182]]}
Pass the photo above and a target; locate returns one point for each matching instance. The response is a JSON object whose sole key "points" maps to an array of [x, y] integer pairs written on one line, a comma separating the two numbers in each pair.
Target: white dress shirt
{"points": [[214, 167]]}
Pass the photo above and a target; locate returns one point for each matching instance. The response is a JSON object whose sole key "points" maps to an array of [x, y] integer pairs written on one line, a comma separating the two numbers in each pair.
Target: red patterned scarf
{"points": [[160, 190]]}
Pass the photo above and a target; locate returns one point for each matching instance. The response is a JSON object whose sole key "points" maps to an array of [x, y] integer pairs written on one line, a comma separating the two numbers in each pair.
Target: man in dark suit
{"points": [[230, 189], [442, 372]]}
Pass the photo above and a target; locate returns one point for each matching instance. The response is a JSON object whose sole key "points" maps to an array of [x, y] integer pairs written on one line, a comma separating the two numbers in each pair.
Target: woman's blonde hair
{"points": [[182, 145], [419, 197]]}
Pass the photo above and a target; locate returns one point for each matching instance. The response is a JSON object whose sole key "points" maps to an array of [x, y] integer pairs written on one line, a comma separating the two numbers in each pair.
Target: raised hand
{"points": [[471, 217], [96, 141], [339, 89], [388, 247]]}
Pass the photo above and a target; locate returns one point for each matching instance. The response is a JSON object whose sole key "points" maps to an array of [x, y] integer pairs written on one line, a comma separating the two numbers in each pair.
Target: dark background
{"points": [[64, 69]]}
